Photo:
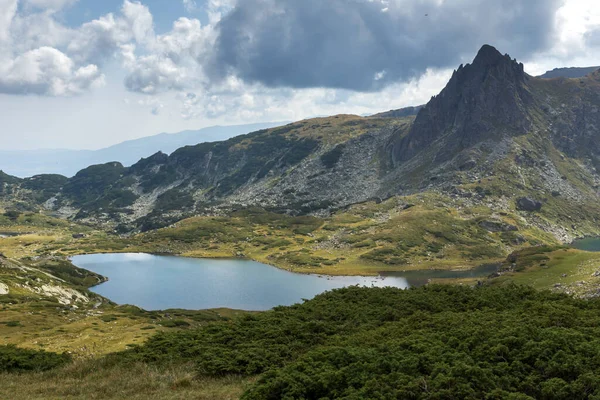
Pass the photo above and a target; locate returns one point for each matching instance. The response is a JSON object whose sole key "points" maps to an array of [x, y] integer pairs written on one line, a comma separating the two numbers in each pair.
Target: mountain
{"points": [[523, 148], [486, 99], [67, 162], [572, 72]]}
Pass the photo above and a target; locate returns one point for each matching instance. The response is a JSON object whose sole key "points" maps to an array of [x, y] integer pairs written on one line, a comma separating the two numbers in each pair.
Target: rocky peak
{"points": [[483, 100]]}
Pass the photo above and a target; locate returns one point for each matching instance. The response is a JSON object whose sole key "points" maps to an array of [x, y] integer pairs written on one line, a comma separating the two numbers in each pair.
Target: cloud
{"points": [[175, 61], [139, 21], [8, 10], [47, 71], [190, 5], [368, 44], [592, 38], [237, 102], [154, 103], [39, 55]]}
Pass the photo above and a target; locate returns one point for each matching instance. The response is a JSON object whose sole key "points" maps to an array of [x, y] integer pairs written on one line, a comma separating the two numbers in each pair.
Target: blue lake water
{"points": [[161, 282], [587, 244]]}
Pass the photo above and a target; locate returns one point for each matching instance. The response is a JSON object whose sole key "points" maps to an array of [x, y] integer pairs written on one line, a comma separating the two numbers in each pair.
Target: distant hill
{"points": [[28, 163], [399, 113], [572, 72]]}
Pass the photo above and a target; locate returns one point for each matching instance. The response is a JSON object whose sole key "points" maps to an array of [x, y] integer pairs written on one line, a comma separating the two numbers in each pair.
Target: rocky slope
{"points": [[494, 137]]}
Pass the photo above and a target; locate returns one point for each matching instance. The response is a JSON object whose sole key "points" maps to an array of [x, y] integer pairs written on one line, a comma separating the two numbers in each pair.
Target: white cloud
{"points": [[8, 9], [174, 62], [216, 9], [239, 102], [190, 5], [39, 55], [47, 71], [576, 21], [140, 21], [153, 103]]}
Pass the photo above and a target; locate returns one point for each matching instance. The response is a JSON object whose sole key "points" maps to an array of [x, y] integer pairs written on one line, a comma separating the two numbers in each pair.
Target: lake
{"points": [[161, 282], [587, 244]]}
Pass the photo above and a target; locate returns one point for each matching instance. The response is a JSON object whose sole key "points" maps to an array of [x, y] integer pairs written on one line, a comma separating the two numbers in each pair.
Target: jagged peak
{"points": [[488, 55], [492, 88], [490, 59]]}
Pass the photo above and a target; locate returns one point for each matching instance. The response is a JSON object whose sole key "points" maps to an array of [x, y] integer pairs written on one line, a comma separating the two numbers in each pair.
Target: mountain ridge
{"points": [[493, 136], [28, 163]]}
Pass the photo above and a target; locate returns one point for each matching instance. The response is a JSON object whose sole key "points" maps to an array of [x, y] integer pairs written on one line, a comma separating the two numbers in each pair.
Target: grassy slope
{"points": [[94, 380], [564, 270]]}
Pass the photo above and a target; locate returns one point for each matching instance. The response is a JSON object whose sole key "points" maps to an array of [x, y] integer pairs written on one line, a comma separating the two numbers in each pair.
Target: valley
{"points": [[485, 187]]}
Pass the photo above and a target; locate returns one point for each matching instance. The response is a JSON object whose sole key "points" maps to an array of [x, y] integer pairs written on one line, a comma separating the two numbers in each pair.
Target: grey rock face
{"points": [[485, 99]]}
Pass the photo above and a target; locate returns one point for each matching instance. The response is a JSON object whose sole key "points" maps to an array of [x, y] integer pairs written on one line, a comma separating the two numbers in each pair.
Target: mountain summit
{"points": [[487, 98]]}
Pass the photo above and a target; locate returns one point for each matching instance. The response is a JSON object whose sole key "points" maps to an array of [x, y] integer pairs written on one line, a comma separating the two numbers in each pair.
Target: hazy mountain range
{"points": [[25, 163]]}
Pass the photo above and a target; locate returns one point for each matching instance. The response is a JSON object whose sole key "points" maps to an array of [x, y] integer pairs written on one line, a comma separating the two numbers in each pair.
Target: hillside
{"points": [[497, 162], [569, 72], [27, 163]]}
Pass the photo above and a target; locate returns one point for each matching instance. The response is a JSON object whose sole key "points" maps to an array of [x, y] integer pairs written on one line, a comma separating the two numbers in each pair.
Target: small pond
{"points": [[587, 244]]}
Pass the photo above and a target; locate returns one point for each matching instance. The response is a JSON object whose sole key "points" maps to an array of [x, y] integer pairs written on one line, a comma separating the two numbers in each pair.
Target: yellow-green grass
{"points": [[427, 235], [568, 270], [335, 129], [95, 379], [437, 232], [79, 333]]}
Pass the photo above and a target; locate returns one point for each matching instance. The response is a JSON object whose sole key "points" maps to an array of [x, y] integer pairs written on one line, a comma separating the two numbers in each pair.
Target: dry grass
{"points": [[95, 379], [78, 333]]}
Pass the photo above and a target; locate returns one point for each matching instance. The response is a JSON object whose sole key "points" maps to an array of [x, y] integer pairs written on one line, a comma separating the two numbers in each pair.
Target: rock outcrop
{"points": [[528, 204]]}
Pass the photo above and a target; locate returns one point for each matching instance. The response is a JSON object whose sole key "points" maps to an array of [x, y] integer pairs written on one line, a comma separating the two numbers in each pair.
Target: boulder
{"points": [[497, 226], [528, 204]]}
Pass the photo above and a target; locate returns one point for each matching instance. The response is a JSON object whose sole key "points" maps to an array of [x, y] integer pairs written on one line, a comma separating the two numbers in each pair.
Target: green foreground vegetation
{"points": [[491, 341], [434, 342]]}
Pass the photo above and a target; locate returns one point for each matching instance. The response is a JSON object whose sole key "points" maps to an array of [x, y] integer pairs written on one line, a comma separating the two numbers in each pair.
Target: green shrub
{"points": [[431, 342], [13, 215], [174, 323], [14, 359]]}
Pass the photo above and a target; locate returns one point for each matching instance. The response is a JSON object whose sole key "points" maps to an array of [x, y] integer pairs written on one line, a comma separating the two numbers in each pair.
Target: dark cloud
{"points": [[364, 45]]}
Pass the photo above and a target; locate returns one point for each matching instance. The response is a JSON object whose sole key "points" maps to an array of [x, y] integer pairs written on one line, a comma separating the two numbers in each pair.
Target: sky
{"points": [[86, 74]]}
